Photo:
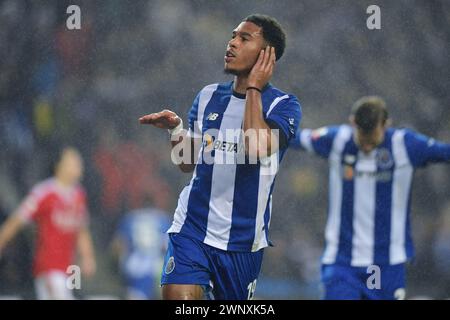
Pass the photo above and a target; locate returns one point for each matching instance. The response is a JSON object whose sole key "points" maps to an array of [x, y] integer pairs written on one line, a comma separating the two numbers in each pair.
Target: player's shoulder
{"points": [[278, 94], [405, 132], [81, 190], [44, 187], [333, 129], [327, 133], [219, 86]]}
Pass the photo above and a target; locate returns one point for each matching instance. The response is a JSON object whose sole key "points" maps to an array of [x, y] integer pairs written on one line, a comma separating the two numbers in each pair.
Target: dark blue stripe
{"points": [[344, 255], [193, 113], [245, 203], [199, 197], [268, 213], [383, 206]]}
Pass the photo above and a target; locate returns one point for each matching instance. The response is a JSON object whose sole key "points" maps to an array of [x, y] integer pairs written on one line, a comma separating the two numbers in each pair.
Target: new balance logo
{"points": [[212, 116]]}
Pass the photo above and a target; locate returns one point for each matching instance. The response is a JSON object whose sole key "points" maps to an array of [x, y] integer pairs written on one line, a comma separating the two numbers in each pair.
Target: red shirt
{"points": [[59, 213]]}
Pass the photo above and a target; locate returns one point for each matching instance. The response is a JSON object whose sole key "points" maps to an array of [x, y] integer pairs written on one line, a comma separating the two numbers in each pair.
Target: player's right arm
{"points": [[318, 141], [184, 147], [27, 211], [9, 229]]}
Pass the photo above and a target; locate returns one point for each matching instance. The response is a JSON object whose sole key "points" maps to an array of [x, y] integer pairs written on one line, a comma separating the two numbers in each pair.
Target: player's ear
{"points": [[388, 123], [351, 119]]}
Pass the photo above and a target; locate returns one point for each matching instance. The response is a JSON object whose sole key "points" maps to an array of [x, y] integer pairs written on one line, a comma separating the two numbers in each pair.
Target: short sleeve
{"points": [[319, 141], [30, 207], [194, 128], [423, 150], [285, 115]]}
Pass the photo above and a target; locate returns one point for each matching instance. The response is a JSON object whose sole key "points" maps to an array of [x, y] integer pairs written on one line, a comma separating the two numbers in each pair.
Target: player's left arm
{"points": [[86, 252], [423, 150], [265, 140], [85, 245], [9, 230]]}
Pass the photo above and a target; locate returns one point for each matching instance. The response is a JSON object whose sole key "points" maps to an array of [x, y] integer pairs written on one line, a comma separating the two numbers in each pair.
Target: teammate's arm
{"points": [[267, 142], [423, 150], [86, 251], [167, 119], [439, 151], [318, 141]]}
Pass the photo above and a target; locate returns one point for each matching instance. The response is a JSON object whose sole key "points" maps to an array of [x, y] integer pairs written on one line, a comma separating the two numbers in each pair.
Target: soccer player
{"points": [[58, 207], [221, 223], [140, 243], [368, 227]]}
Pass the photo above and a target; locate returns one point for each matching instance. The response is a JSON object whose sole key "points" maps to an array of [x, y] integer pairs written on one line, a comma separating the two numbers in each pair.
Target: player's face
{"points": [[243, 48], [71, 165], [369, 141]]}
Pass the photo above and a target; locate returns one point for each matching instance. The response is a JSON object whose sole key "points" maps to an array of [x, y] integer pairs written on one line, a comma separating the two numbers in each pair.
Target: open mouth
{"points": [[229, 56]]}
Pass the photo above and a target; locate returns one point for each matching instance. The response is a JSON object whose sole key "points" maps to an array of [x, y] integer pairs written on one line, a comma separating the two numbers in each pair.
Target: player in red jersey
{"points": [[57, 206]]}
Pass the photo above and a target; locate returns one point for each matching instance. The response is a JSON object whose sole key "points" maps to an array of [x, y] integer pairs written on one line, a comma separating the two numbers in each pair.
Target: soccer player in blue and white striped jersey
{"points": [[221, 224], [368, 227]]}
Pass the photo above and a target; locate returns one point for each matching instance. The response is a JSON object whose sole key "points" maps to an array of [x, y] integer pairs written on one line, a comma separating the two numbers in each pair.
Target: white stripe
{"points": [[266, 177], [205, 96], [181, 210], [402, 179], [305, 139], [223, 181], [332, 230], [275, 102], [364, 204]]}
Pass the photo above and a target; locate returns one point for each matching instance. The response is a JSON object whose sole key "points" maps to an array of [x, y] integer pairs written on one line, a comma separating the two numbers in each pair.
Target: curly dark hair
{"points": [[272, 32]]}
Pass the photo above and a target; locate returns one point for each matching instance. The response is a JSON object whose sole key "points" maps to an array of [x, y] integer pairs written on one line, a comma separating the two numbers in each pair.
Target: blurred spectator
{"points": [[140, 243]]}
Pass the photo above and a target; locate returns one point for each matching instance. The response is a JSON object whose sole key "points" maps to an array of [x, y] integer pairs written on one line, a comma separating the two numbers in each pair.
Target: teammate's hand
{"points": [[165, 119], [263, 69]]}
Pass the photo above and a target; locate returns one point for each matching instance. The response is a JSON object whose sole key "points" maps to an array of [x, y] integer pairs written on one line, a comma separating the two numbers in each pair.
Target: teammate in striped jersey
{"points": [[221, 223], [368, 227]]}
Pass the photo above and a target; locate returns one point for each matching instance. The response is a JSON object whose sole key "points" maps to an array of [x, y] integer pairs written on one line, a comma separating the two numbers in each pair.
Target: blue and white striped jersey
{"points": [[369, 194], [228, 204]]}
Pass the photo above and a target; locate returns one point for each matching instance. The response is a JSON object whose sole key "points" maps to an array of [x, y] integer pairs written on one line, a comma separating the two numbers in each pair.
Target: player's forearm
{"points": [[9, 229], [183, 152], [263, 142], [85, 246]]}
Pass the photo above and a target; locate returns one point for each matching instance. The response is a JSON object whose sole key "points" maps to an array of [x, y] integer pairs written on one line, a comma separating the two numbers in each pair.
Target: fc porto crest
{"points": [[170, 265], [384, 159]]}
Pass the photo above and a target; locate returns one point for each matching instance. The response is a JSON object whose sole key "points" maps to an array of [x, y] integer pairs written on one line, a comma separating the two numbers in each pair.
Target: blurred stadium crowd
{"points": [[88, 87]]}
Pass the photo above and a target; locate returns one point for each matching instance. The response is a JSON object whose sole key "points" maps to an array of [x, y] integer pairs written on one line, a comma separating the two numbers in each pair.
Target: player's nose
{"points": [[232, 43]]}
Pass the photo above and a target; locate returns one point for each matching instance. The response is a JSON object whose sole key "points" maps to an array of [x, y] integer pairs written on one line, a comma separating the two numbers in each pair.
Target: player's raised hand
{"points": [[165, 119], [263, 69]]}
